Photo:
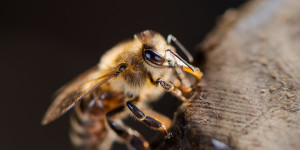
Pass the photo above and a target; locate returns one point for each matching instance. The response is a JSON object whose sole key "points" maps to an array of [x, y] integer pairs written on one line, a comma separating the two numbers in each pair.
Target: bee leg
{"points": [[132, 138], [184, 87], [164, 119], [171, 88], [151, 122]]}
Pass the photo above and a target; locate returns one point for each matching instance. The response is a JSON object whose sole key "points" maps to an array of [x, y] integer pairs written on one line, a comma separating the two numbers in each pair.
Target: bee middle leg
{"points": [[157, 115], [133, 139], [149, 121]]}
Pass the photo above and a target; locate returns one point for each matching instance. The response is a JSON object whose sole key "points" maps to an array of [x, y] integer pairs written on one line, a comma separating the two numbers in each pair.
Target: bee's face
{"points": [[154, 48], [158, 53]]}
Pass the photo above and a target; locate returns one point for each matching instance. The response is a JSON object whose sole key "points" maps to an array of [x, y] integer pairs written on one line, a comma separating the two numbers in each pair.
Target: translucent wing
{"points": [[70, 94]]}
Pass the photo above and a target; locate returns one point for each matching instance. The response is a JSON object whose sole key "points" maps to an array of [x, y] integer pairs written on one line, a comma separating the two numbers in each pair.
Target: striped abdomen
{"points": [[88, 128]]}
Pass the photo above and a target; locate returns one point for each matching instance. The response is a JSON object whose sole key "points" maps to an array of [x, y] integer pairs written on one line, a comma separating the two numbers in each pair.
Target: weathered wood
{"points": [[249, 96]]}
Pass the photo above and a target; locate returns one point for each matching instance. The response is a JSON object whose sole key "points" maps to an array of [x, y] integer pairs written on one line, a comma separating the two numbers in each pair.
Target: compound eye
{"points": [[154, 57]]}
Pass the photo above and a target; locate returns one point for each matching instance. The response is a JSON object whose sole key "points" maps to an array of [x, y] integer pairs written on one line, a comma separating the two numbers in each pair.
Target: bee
{"points": [[127, 77]]}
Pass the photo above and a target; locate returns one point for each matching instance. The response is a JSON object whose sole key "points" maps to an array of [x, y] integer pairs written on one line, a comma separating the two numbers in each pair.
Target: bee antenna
{"points": [[181, 47]]}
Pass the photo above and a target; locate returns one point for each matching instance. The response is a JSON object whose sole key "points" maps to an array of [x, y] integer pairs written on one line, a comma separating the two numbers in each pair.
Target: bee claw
{"points": [[169, 135]]}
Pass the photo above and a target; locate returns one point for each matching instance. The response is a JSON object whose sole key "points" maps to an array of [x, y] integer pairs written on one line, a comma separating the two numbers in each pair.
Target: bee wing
{"points": [[73, 92]]}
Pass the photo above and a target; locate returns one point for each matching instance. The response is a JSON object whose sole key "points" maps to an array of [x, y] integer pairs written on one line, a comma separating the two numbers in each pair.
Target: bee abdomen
{"points": [[87, 132]]}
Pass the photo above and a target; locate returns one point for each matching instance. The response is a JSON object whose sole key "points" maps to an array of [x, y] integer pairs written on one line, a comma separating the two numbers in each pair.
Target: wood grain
{"points": [[249, 95]]}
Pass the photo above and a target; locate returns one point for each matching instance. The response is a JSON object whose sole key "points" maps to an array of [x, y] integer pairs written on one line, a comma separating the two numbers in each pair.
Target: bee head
{"points": [[153, 48], [158, 53]]}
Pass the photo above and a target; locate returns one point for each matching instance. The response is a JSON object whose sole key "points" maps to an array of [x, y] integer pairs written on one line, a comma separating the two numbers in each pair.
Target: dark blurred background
{"points": [[44, 44]]}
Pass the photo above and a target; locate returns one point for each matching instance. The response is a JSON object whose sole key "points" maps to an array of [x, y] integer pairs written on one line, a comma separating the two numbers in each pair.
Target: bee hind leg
{"points": [[133, 139]]}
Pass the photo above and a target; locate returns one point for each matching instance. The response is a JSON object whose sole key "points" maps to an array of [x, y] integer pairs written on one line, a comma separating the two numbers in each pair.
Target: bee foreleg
{"points": [[149, 121], [167, 86], [132, 138], [171, 88], [184, 87]]}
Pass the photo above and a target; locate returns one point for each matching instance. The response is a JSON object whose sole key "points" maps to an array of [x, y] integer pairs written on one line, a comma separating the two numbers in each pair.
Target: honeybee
{"points": [[135, 71]]}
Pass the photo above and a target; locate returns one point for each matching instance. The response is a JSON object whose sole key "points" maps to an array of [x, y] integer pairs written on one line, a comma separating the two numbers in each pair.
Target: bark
{"points": [[249, 95]]}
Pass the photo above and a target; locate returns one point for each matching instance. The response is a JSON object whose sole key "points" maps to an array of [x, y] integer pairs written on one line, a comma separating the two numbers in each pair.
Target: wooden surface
{"points": [[249, 95]]}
